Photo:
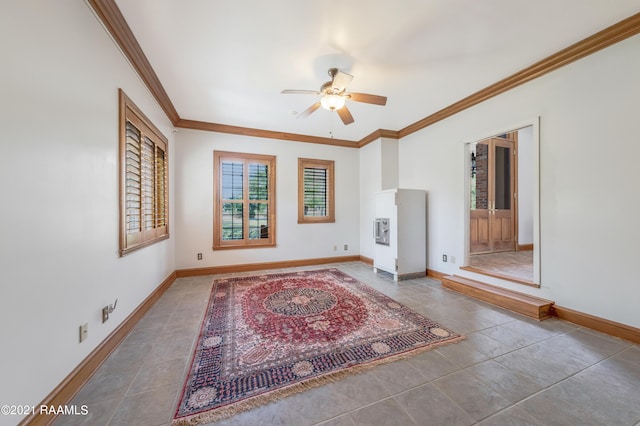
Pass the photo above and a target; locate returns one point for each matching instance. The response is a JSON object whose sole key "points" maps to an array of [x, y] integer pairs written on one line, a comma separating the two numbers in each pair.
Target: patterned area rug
{"points": [[267, 336]]}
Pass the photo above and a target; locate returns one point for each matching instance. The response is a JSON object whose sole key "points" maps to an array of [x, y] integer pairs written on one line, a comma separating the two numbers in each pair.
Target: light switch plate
{"points": [[84, 331]]}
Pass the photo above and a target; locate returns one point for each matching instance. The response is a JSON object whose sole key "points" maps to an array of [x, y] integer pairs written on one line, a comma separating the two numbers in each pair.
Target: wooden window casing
{"points": [[244, 200], [144, 179], [316, 194]]}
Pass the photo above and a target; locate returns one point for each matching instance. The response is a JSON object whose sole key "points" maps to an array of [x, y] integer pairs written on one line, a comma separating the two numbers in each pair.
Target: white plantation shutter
{"points": [[148, 184], [161, 187], [133, 180]]}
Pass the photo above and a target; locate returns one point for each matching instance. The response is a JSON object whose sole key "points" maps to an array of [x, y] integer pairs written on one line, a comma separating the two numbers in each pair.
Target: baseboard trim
{"points": [[247, 267], [602, 325], [592, 322], [69, 387], [525, 247], [366, 260]]}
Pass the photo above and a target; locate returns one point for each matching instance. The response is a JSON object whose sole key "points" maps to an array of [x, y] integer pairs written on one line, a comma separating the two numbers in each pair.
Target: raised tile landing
{"points": [[511, 265]]}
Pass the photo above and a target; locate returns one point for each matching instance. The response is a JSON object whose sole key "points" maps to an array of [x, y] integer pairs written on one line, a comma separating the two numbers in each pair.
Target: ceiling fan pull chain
{"points": [[331, 125]]}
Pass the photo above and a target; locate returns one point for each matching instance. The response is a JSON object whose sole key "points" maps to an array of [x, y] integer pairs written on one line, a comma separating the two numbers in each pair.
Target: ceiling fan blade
{"points": [[345, 115], [301, 92], [368, 99], [341, 81], [307, 112]]}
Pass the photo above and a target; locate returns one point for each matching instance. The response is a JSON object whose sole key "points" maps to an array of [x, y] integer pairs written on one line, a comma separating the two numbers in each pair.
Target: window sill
{"points": [[319, 220], [238, 247]]}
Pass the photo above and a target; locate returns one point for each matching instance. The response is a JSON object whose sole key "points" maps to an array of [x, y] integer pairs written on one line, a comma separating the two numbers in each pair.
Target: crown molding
{"points": [[380, 133], [258, 133], [111, 17], [605, 38]]}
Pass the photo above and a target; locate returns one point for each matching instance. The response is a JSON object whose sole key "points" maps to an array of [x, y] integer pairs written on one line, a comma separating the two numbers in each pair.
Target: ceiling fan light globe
{"points": [[332, 102]]}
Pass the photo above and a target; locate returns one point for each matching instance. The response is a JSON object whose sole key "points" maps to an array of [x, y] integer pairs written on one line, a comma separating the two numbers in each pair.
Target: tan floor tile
{"points": [[509, 371]]}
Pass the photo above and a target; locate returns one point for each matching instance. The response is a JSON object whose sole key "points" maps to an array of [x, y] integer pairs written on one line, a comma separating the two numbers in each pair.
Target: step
{"points": [[521, 303]]}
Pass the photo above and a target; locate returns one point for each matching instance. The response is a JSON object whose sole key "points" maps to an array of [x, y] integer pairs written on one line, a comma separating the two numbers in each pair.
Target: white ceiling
{"points": [[227, 61]]}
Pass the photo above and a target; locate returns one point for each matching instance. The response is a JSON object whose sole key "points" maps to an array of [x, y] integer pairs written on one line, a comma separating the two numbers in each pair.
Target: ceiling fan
{"points": [[334, 96]]}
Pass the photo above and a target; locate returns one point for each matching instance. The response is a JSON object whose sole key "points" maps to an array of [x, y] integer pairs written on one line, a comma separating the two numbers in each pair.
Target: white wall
{"points": [[589, 147], [194, 198], [59, 83], [389, 162], [525, 185], [370, 157], [378, 171]]}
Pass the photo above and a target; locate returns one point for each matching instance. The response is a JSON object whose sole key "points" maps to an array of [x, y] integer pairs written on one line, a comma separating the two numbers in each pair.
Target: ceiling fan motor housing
{"points": [[326, 88]]}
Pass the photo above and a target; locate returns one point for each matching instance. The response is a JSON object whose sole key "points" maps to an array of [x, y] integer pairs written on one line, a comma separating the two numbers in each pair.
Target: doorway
{"points": [[502, 232]]}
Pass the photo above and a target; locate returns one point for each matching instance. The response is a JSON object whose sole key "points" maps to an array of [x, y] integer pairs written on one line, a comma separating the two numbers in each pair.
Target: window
{"points": [[243, 200], [144, 180], [315, 191]]}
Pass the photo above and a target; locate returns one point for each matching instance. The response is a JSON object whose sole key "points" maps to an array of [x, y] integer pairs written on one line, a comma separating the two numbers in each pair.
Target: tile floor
{"points": [[509, 371]]}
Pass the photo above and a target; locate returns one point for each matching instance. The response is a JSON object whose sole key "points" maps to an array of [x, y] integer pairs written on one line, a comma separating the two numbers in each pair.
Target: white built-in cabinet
{"points": [[400, 233]]}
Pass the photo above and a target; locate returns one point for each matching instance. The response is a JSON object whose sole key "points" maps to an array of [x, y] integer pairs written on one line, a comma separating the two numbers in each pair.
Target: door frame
{"points": [[535, 123]]}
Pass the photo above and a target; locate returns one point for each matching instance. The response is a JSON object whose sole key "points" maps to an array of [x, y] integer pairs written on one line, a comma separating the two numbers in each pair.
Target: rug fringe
{"points": [[279, 394]]}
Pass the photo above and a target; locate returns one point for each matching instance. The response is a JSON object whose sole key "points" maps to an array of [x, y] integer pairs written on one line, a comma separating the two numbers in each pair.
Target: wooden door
{"points": [[492, 223]]}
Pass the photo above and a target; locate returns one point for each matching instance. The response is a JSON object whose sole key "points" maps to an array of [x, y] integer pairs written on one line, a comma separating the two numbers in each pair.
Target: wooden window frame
{"points": [[328, 165], [246, 159], [157, 179]]}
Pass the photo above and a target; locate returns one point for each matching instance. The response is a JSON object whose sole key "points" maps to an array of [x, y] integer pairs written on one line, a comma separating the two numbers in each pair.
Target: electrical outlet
{"points": [[452, 259], [84, 331], [444, 257], [199, 256], [107, 310], [346, 247], [335, 248]]}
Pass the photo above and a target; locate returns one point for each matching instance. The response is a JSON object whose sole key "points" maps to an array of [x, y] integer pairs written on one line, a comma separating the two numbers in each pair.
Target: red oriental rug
{"points": [[268, 336]]}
